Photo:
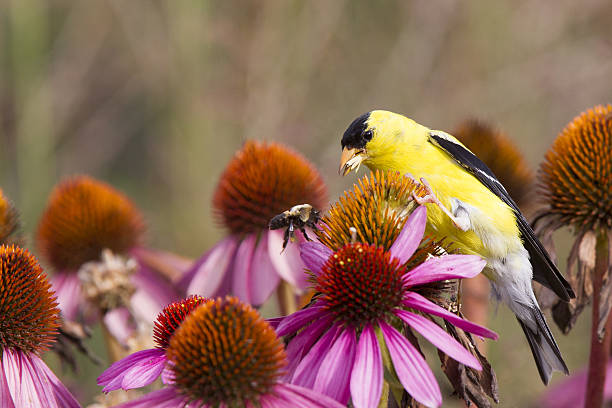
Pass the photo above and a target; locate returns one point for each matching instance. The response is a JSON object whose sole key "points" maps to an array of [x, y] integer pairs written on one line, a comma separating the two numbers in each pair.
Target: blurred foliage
{"points": [[155, 96]]}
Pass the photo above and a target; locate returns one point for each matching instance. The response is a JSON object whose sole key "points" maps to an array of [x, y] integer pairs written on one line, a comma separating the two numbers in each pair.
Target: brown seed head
{"points": [[576, 176], [377, 208], [9, 220], [500, 154], [263, 180], [83, 217], [169, 319], [28, 308], [224, 352]]}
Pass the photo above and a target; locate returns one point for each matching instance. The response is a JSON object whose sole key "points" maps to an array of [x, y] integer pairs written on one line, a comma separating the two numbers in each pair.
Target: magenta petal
{"points": [[134, 371], [174, 265], [418, 302], [120, 324], [303, 341], [439, 338], [409, 239], [335, 372], [411, 368], [243, 269], [208, 272], [445, 267], [153, 293], [306, 372], [6, 400], [275, 321], [265, 273], [300, 397], [288, 264], [367, 376], [299, 319], [314, 255], [165, 398], [67, 288], [64, 398]]}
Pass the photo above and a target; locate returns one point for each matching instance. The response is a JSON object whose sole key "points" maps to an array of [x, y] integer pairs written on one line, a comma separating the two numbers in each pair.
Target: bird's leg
{"points": [[431, 198]]}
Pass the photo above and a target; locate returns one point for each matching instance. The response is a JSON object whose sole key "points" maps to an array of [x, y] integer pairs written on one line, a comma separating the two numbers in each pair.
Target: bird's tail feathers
{"points": [[545, 351]]}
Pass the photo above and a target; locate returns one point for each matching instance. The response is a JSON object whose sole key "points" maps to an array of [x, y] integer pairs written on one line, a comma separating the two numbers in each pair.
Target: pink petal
{"points": [[303, 341], [172, 265], [335, 372], [165, 398], [67, 288], [120, 324], [134, 371], [243, 269], [265, 273], [418, 302], [410, 238], [314, 255], [208, 272], [300, 397], [306, 372], [411, 368], [445, 267], [153, 293], [439, 338], [288, 264], [299, 319], [32, 384], [275, 321], [367, 377], [6, 400]]}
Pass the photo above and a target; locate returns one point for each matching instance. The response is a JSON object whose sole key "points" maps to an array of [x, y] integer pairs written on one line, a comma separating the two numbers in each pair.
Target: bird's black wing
{"points": [[544, 270]]}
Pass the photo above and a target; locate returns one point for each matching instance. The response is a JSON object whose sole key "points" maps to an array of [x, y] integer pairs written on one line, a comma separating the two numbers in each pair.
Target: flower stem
{"points": [[600, 348], [286, 299]]}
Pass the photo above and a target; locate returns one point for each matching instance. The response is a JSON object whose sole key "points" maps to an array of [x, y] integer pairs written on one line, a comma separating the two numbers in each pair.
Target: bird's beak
{"points": [[351, 159]]}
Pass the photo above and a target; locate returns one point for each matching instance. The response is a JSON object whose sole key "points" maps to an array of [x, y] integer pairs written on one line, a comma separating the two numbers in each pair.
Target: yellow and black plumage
{"points": [[470, 207]]}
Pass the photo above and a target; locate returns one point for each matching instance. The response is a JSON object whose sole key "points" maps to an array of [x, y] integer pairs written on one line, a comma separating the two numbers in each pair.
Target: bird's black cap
{"points": [[355, 136]]}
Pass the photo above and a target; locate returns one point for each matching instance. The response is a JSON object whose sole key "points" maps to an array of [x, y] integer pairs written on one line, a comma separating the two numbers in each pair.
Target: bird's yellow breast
{"points": [[403, 145]]}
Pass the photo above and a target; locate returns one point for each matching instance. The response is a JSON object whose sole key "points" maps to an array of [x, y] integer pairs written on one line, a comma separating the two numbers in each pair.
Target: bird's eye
{"points": [[368, 135]]}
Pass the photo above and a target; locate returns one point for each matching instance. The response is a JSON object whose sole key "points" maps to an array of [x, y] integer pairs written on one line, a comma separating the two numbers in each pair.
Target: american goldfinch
{"points": [[467, 204]]}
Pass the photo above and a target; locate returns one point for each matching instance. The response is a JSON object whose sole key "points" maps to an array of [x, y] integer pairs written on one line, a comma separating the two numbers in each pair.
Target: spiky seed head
{"points": [[169, 319], [9, 219]]}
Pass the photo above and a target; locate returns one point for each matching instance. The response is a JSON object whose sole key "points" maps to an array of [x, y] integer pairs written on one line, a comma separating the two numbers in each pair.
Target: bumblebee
{"points": [[298, 217]]}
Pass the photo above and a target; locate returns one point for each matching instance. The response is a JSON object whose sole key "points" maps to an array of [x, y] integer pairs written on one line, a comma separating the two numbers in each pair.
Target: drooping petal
{"points": [[134, 371], [120, 324], [288, 264], [67, 287], [265, 272], [299, 319], [439, 338], [172, 265], [409, 239], [165, 398], [275, 321], [64, 398], [411, 368], [208, 272], [314, 255], [418, 302], [300, 397], [303, 341], [242, 278], [367, 376], [30, 385], [445, 267], [306, 372], [6, 400], [153, 293], [335, 372]]}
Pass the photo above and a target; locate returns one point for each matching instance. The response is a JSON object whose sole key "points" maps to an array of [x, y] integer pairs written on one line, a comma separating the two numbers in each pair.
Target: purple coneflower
{"points": [[225, 355], [83, 218], [261, 181], [28, 327], [143, 367], [364, 292]]}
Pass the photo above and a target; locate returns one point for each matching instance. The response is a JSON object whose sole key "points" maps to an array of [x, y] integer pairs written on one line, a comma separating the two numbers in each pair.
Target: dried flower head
{"points": [[374, 212], [30, 316], [225, 354], [9, 220], [83, 217], [263, 180], [575, 181], [502, 156]]}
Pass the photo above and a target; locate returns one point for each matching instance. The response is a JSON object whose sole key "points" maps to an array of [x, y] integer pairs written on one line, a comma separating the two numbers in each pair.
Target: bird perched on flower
{"points": [[468, 205]]}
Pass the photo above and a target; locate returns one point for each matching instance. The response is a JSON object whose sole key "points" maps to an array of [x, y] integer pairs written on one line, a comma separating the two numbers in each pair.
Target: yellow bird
{"points": [[467, 204]]}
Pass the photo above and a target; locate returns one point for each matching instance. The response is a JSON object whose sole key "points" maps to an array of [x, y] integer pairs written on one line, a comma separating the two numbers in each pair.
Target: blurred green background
{"points": [[155, 96]]}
